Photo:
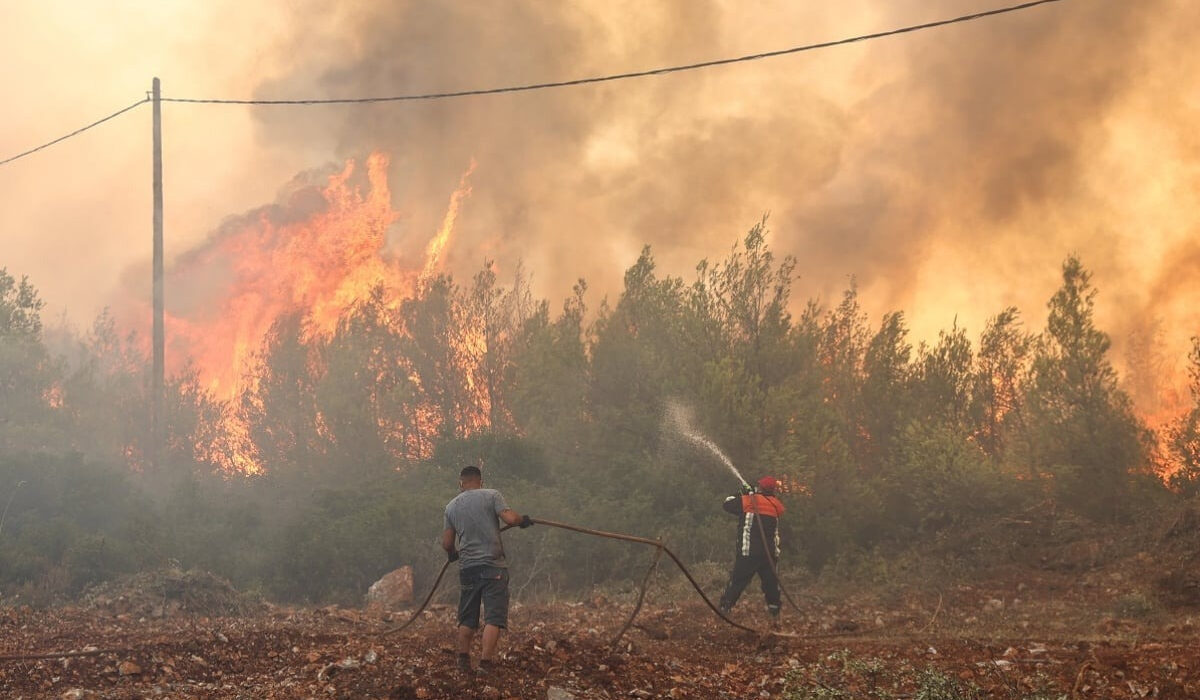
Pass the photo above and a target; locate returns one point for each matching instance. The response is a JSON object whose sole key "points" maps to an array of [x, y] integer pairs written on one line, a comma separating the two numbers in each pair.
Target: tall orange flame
{"points": [[318, 253], [433, 251]]}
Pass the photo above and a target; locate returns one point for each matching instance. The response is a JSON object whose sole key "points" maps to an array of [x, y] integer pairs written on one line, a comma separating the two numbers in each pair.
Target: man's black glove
{"points": [[525, 522], [452, 555]]}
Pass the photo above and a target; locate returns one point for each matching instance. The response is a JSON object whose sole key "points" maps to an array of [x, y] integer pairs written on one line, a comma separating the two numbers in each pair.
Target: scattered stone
{"points": [[556, 693], [653, 631], [129, 668], [347, 615], [993, 605], [168, 592]]}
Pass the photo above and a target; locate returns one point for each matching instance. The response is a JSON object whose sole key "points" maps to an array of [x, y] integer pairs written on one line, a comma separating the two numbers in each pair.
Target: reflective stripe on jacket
{"points": [[752, 509]]}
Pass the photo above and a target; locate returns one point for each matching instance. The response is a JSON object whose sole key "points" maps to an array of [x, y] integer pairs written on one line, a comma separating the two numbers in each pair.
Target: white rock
{"points": [[393, 591]]}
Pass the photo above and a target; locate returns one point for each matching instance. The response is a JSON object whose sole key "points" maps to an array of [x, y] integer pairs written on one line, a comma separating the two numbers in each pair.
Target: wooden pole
{"points": [[158, 419]]}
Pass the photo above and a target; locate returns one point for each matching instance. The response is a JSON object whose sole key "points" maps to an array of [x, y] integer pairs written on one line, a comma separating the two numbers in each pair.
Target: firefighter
{"points": [[758, 512]]}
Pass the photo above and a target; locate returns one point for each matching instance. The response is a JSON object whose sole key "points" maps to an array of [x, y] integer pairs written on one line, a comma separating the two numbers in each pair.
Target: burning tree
{"points": [[1183, 438]]}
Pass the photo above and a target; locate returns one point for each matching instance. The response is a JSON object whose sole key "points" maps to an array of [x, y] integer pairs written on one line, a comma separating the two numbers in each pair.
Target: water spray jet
{"points": [[679, 418]]}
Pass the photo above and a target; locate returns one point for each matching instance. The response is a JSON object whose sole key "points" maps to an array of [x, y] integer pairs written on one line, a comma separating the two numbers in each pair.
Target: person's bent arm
{"points": [[733, 505], [513, 518]]}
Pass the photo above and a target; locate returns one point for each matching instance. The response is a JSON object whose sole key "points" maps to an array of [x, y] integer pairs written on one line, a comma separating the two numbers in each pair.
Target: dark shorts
{"points": [[483, 584]]}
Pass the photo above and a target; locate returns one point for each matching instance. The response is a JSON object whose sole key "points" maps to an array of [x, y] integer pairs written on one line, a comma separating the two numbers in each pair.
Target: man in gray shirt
{"points": [[471, 536]]}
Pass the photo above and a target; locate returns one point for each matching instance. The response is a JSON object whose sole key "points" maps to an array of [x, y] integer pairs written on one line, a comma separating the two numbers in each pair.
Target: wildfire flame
{"points": [[433, 251], [272, 263], [318, 253]]}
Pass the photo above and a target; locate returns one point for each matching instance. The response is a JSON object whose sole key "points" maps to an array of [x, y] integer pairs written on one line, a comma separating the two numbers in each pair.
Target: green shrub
{"points": [[1136, 605]]}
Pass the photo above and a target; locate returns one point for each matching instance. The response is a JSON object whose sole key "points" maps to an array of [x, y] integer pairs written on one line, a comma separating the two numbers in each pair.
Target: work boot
{"points": [[486, 667], [773, 611], [464, 663]]}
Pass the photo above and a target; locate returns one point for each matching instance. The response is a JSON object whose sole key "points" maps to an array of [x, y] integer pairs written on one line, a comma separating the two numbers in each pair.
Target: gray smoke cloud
{"points": [[950, 171]]}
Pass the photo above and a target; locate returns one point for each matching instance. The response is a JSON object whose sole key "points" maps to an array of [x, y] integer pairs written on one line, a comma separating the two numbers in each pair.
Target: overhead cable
{"points": [[623, 76], [562, 83], [78, 131]]}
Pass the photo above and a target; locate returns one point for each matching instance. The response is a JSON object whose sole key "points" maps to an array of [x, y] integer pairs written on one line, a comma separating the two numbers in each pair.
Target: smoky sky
{"points": [[973, 139], [949, 171]]}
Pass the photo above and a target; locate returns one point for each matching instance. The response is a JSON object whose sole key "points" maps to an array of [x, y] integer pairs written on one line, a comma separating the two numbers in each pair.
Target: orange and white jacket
{"points": [[753, 509]]}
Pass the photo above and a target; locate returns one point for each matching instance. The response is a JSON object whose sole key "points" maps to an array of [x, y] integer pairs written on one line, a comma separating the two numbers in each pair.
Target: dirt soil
{"points": [[1049, 635]]}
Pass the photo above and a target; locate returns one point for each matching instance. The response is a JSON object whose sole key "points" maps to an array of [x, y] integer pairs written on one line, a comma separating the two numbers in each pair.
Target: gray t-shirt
{"points": [[474, 517]]}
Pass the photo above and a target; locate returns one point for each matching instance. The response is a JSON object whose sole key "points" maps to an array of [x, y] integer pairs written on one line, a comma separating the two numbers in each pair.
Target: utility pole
{"points": [[158, 417]]}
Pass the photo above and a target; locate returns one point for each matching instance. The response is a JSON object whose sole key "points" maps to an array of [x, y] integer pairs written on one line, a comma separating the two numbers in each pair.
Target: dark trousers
{"points": [[744, 569]]}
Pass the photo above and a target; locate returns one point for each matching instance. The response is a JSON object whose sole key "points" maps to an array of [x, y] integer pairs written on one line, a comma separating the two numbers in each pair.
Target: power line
{"points": [[562, 83], [78, 131], [623, 76]]}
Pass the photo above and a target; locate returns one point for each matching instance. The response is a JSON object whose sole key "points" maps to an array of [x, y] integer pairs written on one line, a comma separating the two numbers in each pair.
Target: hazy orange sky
{"points": [[950, 171]]}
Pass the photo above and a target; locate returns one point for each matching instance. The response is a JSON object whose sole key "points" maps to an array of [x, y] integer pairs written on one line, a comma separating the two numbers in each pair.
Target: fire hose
{"points": [[660, 547], [768, 552], [657, 544]]}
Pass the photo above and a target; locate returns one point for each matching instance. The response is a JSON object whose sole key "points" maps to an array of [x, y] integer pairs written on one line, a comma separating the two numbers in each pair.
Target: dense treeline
{"points": [[359, 435]]}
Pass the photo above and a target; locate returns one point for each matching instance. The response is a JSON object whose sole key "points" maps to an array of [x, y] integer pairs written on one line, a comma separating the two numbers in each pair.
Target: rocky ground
{"points": [[1049, 635], [1021, 610]]}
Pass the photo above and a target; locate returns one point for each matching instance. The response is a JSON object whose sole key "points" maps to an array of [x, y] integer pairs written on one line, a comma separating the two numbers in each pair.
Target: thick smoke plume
{"points": [[949, 171]]}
